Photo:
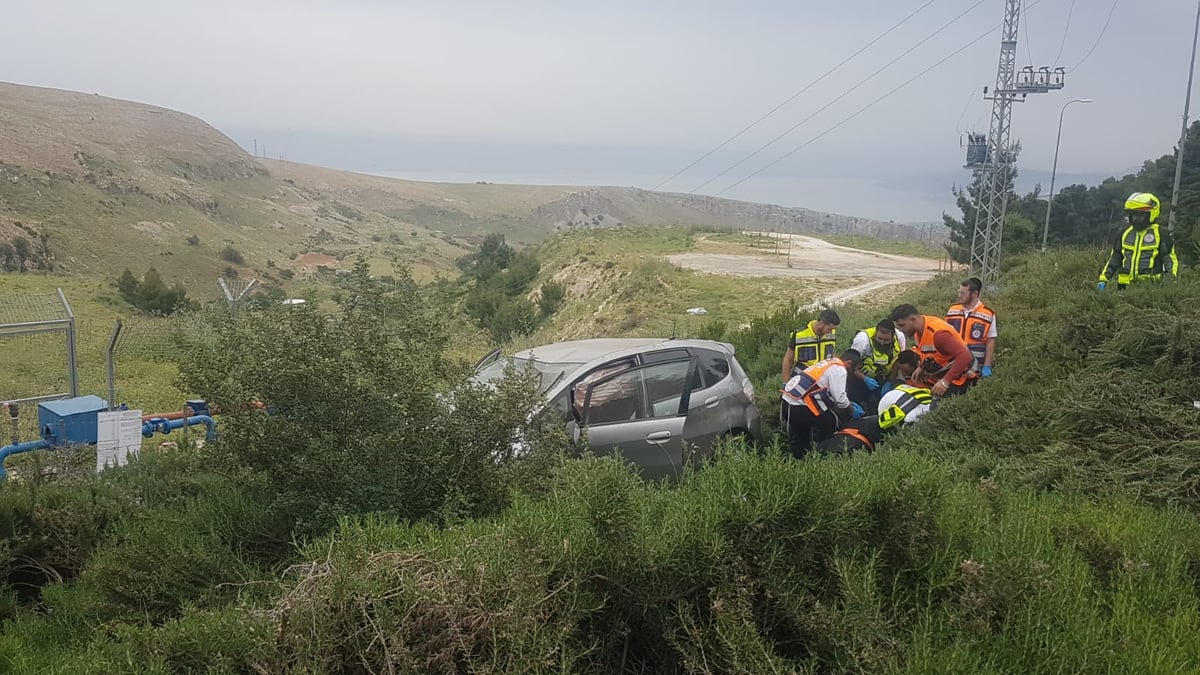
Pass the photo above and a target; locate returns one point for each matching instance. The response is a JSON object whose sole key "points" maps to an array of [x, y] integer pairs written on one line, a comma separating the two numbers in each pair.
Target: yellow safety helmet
{"points": [[1143, 201]]}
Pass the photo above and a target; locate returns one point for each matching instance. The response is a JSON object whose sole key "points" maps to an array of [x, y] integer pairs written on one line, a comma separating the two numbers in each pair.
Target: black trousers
{"points": [[841, 444], [805, 429]]}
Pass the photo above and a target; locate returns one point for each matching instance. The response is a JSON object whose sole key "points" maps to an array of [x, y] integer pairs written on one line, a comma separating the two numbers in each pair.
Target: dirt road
{"points": [[812, 257]]}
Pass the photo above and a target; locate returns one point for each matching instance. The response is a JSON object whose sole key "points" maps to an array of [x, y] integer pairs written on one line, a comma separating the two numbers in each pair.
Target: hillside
{"points": [[109, 184], [372, 529], [95, 184]]}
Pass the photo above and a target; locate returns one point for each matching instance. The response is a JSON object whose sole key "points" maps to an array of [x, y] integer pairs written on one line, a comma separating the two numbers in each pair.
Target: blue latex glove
{"points": [[1100, 286], [857, 412], [887, 386], [986, 371], [872, 383]]}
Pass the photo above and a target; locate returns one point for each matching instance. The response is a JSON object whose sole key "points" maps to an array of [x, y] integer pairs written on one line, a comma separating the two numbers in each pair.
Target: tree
{"points": [[493, 256], [231, 254], [962, 231], [1089, 215], [551, 298], [21, 250], [1019, 234], [151, 294], [366, 412], [8, 256], [127, 285]]}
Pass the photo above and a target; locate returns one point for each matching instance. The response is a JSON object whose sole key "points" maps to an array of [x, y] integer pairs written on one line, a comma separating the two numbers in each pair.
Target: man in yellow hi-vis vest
{"points": [[1143, 250], [815, 342]]}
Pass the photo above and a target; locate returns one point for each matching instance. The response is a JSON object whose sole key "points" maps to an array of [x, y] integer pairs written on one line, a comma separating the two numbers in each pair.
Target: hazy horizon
{"points": [[829, 184], [637, 91]]}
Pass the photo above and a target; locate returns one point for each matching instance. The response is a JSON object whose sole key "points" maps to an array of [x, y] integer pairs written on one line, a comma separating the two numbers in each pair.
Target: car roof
{"points": [[584, 351]]}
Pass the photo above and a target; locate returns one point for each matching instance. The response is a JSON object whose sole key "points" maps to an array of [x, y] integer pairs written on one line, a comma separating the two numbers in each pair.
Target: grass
{"points": [[918, 249], [1044, 523], [618, 284]]}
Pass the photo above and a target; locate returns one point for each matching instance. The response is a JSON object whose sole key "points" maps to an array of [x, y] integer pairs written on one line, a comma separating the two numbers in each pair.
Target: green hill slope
{"points": [[94, 184]]}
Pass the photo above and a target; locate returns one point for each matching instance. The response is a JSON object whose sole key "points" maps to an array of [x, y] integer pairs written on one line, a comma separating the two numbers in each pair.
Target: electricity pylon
{"points": [[992, 160]]}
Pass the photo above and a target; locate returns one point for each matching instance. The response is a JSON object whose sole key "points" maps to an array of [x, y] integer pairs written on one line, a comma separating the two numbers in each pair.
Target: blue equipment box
{"points": [[72, 420]]}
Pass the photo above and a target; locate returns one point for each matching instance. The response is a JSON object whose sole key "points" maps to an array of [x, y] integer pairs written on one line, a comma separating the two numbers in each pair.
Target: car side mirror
{"points": [[574, 432]]}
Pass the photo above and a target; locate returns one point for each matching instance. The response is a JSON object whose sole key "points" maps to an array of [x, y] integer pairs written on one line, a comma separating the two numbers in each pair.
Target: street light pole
{"points": [[1054, 171], [1187, 99]]}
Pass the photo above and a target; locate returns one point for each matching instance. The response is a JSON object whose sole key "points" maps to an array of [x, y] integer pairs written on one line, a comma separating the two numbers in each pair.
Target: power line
{"points": [[793, 97], [1098, 37], [1025, 25], [958, 124], [870, 105], [843, 95], [1066, 29]]}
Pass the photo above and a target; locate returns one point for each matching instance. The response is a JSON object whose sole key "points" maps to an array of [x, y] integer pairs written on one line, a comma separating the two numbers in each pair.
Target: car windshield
{"points": [[548, 373]]}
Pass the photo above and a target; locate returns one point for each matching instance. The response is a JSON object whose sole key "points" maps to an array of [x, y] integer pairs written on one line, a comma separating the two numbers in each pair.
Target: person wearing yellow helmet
{"points": [[1142, 250]]}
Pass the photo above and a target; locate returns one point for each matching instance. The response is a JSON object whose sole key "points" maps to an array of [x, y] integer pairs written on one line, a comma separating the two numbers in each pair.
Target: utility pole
{"points": [[1187, 99], [256, 147], [993, 162], [789, 236]]}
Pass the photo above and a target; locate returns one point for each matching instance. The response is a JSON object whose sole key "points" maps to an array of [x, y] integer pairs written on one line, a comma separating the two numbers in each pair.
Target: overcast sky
{"points": [[652, 84]]}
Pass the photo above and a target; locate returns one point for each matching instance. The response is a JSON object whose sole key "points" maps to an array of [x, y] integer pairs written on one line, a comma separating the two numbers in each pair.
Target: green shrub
{"points": [[359, 417], [756, 564], [551, 298], [150, 294], [47, 532], [231, 254]]}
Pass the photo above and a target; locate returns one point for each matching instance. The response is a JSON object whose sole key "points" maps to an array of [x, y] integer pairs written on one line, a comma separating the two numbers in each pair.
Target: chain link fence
{"points": [[37, 353], [141, 356]]}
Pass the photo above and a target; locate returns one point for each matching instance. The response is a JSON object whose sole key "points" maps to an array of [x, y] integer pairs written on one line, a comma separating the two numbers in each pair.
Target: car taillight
{"points": [[748, 388]]}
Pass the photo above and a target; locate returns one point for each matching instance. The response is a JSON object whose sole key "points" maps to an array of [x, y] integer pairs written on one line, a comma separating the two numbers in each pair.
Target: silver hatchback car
{"points": [[659, 401]]}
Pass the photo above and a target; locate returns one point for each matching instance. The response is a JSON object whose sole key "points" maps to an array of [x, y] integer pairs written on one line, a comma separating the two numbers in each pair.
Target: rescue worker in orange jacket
{"points": [[975, 323], [947, 365], [1143, 250], [818, 403]]}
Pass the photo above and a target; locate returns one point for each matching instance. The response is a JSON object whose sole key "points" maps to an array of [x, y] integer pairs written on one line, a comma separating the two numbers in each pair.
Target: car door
{"points": [[710, 405], [488, 359], [641, 413]]}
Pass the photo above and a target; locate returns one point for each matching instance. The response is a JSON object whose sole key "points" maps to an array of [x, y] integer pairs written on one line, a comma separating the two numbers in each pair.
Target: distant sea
{"points": [[864, 198]]}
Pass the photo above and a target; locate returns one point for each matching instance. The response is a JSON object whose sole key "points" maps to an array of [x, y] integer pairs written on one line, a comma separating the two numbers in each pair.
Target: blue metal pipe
{"points": [[165, 426], [18, 448]]}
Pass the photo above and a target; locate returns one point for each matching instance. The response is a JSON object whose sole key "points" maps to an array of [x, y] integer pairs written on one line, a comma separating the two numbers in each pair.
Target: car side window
{"points": [[714, 367], [665, 355], [581, 385], [648, 392], [665, 386], [561, 406]]}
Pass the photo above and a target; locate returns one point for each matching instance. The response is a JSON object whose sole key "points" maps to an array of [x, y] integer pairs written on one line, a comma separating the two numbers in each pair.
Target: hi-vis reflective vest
{"points": [[810, 348], [803, 389], [926, 348], [973, 326], [913, 398], [1140, 250], [879, 363]]}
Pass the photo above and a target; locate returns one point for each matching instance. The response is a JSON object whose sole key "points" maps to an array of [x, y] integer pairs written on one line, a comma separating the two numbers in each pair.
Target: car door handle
{"points": [[658, 437], [711, 401]]}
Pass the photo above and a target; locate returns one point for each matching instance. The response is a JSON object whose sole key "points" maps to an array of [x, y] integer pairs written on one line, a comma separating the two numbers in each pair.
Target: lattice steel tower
{"points": [[991, 158]]}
